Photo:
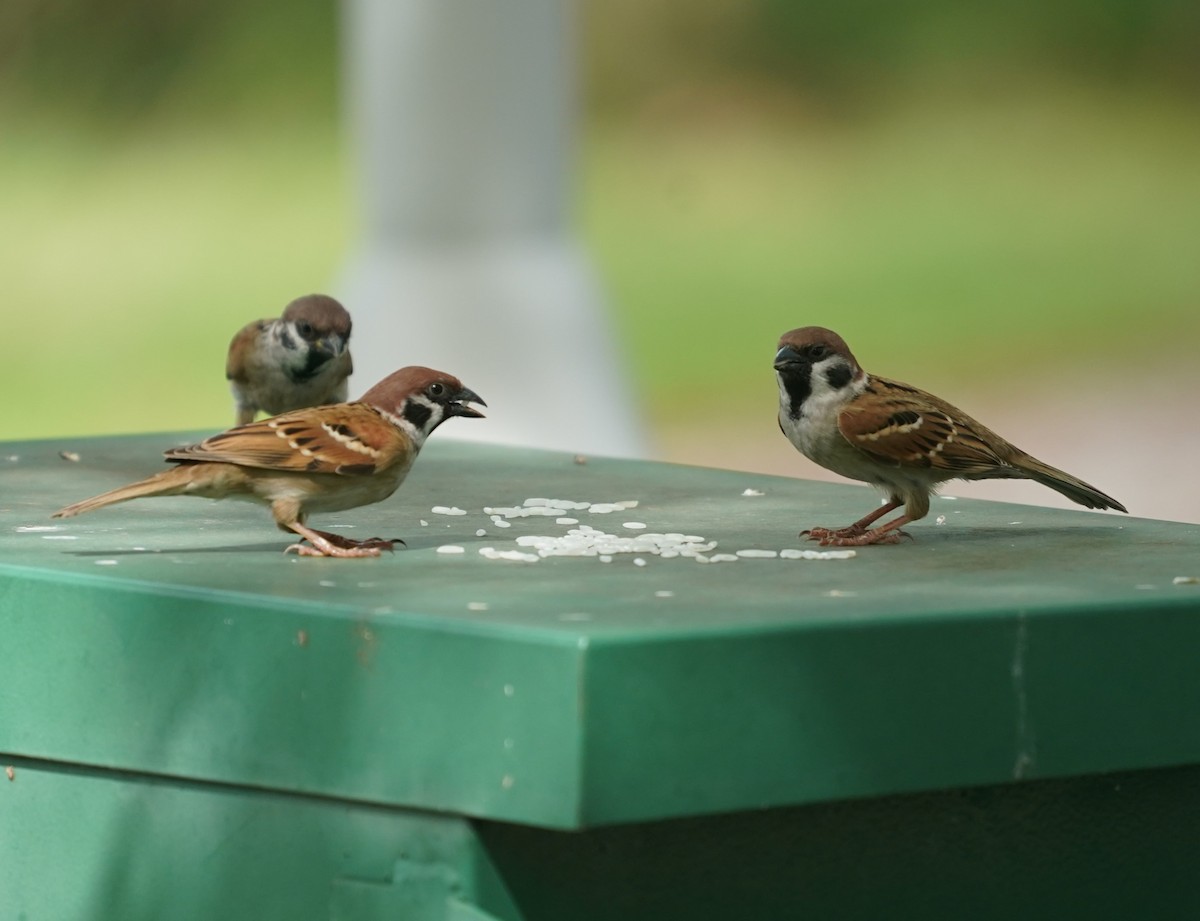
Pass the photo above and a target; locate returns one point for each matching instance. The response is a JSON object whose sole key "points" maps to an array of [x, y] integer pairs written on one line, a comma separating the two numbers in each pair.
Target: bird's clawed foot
{"points": [[332, 550], [369, 543], [855, 536], [325, 543], [382, 543], [825, 535]]}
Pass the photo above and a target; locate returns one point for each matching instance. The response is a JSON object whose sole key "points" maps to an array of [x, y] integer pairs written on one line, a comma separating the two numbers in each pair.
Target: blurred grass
{"points": [[958, 238], [127, 266], [962, 191]]}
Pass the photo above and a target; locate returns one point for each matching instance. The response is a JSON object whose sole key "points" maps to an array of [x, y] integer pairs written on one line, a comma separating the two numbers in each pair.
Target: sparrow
{"points": [[297, 360], [319, 459], [895, 436]]}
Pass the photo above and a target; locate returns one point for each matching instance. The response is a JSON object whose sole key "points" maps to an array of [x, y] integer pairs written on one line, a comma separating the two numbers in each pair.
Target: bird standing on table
{"points": [[320, 459], [297, 360], [892, 435]]}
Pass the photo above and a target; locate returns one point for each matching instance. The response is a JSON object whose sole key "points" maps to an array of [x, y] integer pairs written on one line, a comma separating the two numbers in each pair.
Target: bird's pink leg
{"points": [[830, 536]]}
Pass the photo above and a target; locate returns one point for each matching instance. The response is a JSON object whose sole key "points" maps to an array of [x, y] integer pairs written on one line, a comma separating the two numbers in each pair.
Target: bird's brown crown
{"points": [[807, 336], [321, 312], [390, 393]]}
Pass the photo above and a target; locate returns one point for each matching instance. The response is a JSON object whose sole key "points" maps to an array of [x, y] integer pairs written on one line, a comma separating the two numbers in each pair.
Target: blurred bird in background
{"points": [[291, 362]]}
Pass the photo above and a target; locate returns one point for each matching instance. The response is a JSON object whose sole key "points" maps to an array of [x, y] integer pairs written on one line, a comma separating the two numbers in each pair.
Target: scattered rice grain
{"points": [[792, 554], [491, 553]]}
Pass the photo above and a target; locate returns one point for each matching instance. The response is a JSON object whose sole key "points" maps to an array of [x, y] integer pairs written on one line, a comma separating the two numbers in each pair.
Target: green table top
{"points": [[173, 637]]}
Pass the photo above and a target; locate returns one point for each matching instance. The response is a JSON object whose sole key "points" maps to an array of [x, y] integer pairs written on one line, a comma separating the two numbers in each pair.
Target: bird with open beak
{"points": [[319, 459]]}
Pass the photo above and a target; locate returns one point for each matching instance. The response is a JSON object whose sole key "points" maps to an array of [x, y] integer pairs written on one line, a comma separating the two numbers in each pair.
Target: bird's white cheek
{"points": [[784, 399]]}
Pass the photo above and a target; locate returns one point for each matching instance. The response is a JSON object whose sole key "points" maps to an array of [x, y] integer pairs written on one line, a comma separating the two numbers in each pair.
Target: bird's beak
{"points": [[457, 406], [786, 356], [330, 345]]}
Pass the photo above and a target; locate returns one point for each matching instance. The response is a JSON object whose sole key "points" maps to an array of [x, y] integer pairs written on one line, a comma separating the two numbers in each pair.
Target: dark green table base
{"points": [[1117, 846], [92, 845]]}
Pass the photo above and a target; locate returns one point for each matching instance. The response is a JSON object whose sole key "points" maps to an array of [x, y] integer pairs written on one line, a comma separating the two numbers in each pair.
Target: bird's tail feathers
{"points": [[170, 482], [1072, 487]]}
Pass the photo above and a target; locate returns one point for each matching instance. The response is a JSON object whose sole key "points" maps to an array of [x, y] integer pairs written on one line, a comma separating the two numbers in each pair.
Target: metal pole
{"points": [[462, 115]]}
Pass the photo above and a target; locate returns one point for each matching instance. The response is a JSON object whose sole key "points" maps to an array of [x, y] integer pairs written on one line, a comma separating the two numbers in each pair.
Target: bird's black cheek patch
{"points": [[286, 340], [838, 376], [417, 413]]}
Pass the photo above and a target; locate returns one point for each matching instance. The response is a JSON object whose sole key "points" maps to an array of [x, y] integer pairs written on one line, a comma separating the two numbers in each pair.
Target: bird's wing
{"points": [[352, 439], [906, 427], [240, 349]]}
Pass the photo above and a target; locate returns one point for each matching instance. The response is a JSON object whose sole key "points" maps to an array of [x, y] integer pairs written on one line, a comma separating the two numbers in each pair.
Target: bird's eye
{"points": [[304, 328], [817, 352], [436, 389]]}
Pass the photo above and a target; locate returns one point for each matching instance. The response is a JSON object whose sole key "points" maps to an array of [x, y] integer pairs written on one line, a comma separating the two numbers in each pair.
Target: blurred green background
{"points": [[974, 195]]}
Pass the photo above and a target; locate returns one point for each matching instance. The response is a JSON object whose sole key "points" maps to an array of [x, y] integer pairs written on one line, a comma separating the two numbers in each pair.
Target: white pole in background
{"points": [[462, 116]]}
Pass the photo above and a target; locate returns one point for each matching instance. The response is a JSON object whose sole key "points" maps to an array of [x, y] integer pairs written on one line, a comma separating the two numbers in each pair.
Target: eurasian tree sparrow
{"points": [[320, 459], [896, 437], [297, 360]]}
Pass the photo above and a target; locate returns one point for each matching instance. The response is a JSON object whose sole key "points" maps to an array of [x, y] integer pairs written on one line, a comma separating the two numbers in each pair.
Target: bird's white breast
{"points": [[815, 432]]}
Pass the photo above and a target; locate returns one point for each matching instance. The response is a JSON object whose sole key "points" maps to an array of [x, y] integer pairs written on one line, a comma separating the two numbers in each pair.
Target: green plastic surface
{"points": [[113, 846], [173, 637]]}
